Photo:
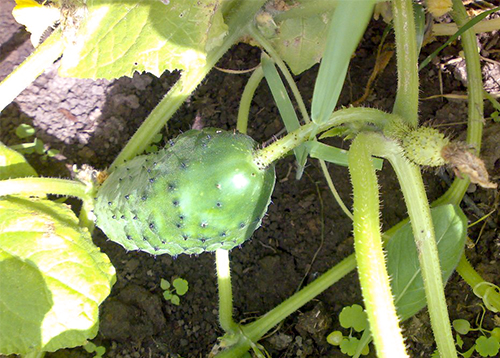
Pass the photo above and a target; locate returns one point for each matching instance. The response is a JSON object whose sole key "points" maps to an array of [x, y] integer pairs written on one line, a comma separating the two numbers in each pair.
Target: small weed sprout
{"points": [[153, 147], [486, 345], [92, 348], [171, 292], [353, 318], [24, 131]]}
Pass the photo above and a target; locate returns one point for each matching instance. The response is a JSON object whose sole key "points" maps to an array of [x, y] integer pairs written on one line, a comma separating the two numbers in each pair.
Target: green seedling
{"points": [[171, 292], [153, 147], [486, 345], [353, 318], [91, 347], [24, 131]]}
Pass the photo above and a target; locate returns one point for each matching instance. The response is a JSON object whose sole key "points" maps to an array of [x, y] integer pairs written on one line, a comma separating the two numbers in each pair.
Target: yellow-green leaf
{"points": [[13, 165], [52, 278], [118, 38]]}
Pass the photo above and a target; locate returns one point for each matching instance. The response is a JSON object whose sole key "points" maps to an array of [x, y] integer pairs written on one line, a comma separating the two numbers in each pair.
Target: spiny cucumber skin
{"points": [[201, 193], [423, 146]]}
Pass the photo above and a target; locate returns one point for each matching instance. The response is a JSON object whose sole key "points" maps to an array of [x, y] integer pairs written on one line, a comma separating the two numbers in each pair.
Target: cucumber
{"points": [[202, 192]]}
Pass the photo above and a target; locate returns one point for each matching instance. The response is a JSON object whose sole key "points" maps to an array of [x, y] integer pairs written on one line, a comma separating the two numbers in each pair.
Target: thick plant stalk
{"points": [[280, 148], [246, 99], [373, 276], [475, 120], [406, 104], [27, 72], [225, 291], [419, 212]]}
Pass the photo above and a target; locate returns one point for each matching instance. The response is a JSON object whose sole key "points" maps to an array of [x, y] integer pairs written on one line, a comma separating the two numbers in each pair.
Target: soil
{"points": [[304, 233]]}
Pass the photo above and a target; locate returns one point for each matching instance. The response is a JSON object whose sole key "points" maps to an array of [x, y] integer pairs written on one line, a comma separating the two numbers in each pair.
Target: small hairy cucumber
{"points": [[424, 146], [202, 193]]}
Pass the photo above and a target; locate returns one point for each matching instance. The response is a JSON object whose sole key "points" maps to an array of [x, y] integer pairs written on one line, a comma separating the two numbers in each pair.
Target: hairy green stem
{"points": [[246, 99], [373, 276], [474, 78], [475, 120], [43, 186], [242, 14], [413, 189], [406, 104], [44, 56], [254, 331], [292, 140], [225, 291]]}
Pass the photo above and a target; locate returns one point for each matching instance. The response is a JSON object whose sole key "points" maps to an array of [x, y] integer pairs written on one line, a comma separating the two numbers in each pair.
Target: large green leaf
{"points": [[450, 226], [52, 277], [13, 165], [301, 41], [120, 37]]}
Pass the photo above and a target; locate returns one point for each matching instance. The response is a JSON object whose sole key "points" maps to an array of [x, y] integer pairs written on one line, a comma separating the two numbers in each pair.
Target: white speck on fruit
{"points": [[239, 181]]}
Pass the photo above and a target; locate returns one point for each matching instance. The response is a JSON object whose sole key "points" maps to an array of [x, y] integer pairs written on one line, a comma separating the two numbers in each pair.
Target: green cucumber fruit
{"points": [[202, 193], [424, 145]]}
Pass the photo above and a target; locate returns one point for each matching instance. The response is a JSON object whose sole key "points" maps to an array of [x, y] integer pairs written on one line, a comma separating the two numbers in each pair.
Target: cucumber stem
{"points": [[265, 156], [246, 99], [302, 107], [28, 71], [475, 120], [373, 276], [225, 292], [406, 103], [419, 212]]}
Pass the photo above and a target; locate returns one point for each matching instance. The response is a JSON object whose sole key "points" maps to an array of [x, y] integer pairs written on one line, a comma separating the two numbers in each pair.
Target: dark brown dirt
{"points": [[89, 122]]}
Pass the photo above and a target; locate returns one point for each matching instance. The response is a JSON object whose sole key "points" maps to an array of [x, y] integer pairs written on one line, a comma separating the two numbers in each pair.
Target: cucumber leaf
{"points": [[52, 278], [450, 226], [13, 165], [301, 41], [117, 38]]}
